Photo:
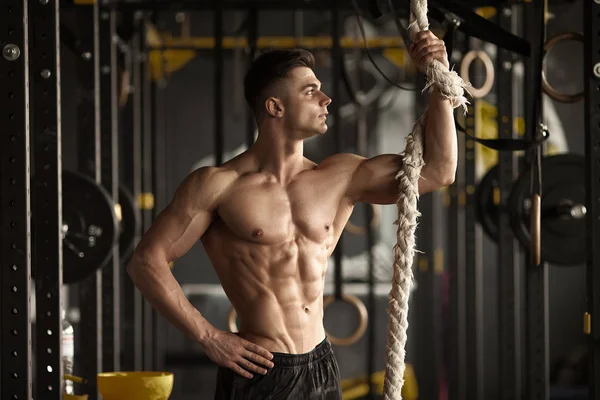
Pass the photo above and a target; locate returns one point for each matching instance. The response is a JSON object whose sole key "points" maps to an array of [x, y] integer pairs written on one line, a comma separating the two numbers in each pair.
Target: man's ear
{"points": [[274, 106]]}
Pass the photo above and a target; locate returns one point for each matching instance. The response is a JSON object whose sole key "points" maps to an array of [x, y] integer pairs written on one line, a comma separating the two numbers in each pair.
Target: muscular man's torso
{"points": [[269, 244]]}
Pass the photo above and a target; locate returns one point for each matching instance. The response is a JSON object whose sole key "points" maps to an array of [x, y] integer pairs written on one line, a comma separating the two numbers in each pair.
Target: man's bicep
{"points": [[181, 224], [375, 179], [174, 232]]}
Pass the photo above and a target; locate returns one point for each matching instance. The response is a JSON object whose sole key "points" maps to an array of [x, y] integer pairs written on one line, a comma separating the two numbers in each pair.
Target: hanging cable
{"points": [[363, 33]]}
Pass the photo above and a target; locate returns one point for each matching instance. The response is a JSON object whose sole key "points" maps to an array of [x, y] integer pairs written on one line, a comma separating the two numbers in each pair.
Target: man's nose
{"points": [[326, 101]]}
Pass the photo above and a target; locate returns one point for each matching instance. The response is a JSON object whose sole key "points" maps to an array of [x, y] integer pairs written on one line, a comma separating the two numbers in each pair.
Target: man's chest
{"points": [[270, 213]]}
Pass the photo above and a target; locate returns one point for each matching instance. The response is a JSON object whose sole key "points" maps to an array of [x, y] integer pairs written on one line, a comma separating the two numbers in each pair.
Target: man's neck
{"points": [[278, 155]]}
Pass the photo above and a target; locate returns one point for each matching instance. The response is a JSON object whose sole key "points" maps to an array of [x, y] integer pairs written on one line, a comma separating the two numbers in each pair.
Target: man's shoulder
{"points": [[341, 161], [212, 176]]}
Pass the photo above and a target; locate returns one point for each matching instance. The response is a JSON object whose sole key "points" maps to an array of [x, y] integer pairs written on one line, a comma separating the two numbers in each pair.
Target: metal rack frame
{"points": [[15, 256], [46, 195]]}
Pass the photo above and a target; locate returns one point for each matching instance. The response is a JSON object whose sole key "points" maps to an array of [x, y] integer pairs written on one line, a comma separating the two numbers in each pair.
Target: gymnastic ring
{"points": [[362, 323], [231, 321], [546, 87], [467, 60], [361, 230]]}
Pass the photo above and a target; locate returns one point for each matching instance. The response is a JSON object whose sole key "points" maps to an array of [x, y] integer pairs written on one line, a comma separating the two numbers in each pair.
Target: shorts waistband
{"points": [[322, 350]]}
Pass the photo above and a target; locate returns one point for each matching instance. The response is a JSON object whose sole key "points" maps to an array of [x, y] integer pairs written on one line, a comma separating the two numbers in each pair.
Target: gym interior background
{"points": [[107, 106]]}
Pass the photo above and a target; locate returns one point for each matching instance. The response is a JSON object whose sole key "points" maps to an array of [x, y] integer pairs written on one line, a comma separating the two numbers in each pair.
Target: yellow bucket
{"points": [[135, 385], [74, 396]]}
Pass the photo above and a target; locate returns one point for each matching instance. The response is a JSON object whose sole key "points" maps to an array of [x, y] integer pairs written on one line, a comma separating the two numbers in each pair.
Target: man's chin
{"points": [[321, 130]]}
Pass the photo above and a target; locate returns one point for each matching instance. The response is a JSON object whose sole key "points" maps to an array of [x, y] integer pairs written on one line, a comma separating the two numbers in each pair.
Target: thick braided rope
{"points": [[452, 87]]}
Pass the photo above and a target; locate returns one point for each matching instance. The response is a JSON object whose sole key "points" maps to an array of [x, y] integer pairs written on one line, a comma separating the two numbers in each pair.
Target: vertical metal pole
{"points": [[426, 296], [15, 253], [132, 300], [509, 282], [457, 352], [252, 37], [591, 71], [109, 136], [138, 125], [218, 84], [89, 349], [336, 60], [457, 358], [362, 145], [473, 271], [147, 198], [46, 193], [538, 366]]}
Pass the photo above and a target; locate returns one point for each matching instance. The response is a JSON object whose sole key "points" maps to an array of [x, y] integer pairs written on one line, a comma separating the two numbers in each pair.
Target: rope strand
{"points": [[452, 87]]}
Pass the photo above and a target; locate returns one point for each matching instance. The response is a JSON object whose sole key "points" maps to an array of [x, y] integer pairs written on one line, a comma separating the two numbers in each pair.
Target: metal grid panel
{"points": [[592, 145], [15, 261], [46, 193]]}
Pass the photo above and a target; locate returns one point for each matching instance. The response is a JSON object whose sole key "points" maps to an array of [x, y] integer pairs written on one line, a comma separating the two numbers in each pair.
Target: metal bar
{"points": [[148, 202], [537, 333], [127, 171], [252, 37], [363, 142], [473, 272], [271, 42], [509, 282], [109, 176], [132, 149], [138, 124], [456, 340], [592, 155], [456, 362], [218, 86], [242, 5], [160, 172], [89, 351], [426, 361], [15, 261], [336, 66], [46, 242], [185, 5], [371, 301]]}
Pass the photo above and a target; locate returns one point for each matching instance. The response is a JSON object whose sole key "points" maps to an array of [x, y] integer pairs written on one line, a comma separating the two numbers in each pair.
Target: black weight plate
{"points": [[563, 238], [89, 227], [486, 210], [130, 222]]}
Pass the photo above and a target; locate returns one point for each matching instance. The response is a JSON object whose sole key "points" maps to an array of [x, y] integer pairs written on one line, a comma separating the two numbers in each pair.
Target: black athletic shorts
{"points": [[309, 376]]}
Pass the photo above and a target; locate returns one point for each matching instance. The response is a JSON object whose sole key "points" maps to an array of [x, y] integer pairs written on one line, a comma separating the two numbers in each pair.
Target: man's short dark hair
{"points": [[270, 67]]}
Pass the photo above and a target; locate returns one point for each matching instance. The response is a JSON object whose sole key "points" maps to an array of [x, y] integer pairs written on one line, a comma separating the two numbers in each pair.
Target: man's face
{"points": [[305, 105]]}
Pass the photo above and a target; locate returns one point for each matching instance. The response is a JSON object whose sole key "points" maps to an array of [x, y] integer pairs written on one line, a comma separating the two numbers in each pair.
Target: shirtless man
{"points": [[269, 219]]}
